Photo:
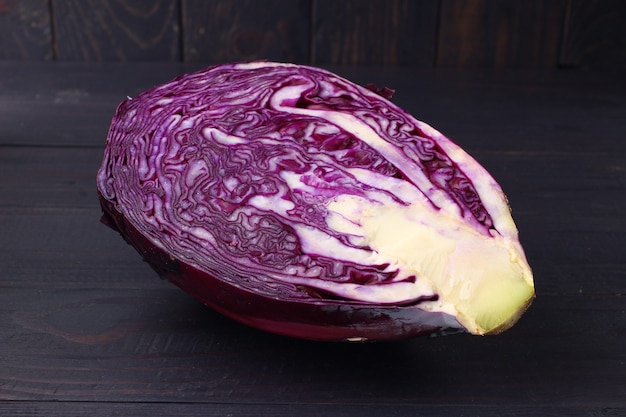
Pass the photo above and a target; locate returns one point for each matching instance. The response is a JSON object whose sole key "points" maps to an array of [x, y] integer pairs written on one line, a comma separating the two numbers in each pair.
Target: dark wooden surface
{"points": [[25, 30], [246, 30], [500, 33], [94, 30], [428, 33], [86, 328], [356, 32], [595, 34]]}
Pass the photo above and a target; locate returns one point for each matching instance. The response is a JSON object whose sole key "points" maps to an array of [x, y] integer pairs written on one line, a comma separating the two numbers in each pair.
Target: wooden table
{"points": [[86, 328]]}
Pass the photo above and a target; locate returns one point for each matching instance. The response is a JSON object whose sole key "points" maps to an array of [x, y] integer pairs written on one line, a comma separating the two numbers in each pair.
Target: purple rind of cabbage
{"points": [[297, 202]]}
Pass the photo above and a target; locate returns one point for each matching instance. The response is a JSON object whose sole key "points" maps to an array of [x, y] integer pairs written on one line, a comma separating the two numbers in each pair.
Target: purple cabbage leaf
{"points": [[293, 200]]}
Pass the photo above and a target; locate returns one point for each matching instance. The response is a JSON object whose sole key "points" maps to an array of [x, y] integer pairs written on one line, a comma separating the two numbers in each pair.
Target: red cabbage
{"points": [[293, 200]]}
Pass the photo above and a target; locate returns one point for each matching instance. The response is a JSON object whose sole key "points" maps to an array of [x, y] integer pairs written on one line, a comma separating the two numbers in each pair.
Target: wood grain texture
{"points": [[116, 30], [595, 36], [146, 345], [500, 33], [96, 409], [303, 410], [374, 32], [451, 33], [220, 31], [25, 32], [87, 328], [61, 96]]}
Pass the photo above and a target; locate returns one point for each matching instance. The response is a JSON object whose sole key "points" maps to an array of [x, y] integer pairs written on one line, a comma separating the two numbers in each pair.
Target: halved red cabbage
{"points": [[297, 202]]}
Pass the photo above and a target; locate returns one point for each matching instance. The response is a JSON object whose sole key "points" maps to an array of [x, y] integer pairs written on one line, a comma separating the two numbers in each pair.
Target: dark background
{"points": [[543, 34], [534, 90]]}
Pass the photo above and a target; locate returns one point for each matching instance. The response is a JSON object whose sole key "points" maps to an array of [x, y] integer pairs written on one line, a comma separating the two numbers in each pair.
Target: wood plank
{"points": [[25, 32], [91, 30], [595, 35], [53, 190], [108, 409], [149, 345], [87, 328], [519, 116], [50, 226], [482, 112], [63, 246], [500, 33], [219, 31], [70, 104], [374, 32], [41, 180]]}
